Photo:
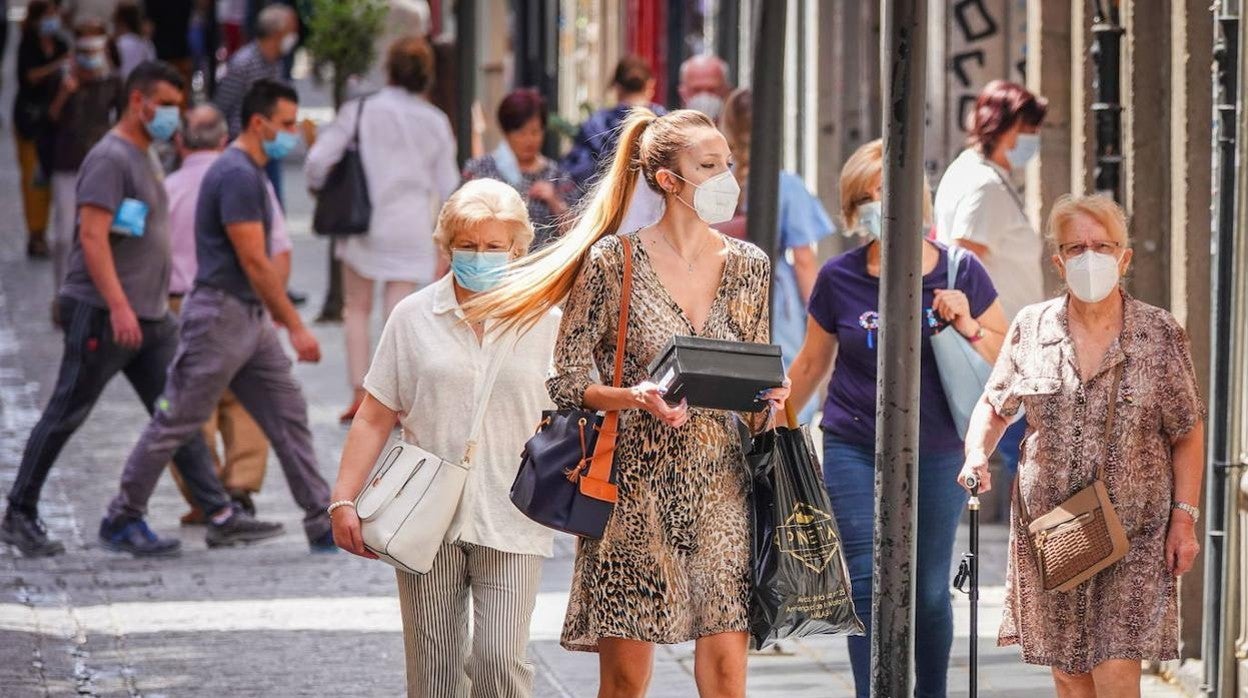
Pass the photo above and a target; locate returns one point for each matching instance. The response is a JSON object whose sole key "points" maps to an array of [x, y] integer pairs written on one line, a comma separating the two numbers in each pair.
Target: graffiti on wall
{"points": [[983, 40]]}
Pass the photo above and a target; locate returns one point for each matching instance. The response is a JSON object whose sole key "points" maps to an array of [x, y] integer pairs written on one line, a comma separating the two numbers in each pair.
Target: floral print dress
{"points": [[1128, 611], [673, 564], [545, 222]]}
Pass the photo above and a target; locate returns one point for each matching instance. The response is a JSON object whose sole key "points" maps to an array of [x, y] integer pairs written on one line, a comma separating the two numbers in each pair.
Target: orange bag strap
{"points": [[597, 482]]}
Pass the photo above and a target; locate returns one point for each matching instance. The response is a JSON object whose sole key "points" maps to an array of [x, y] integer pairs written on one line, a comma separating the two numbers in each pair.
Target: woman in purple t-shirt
{"points": [[843, 324]]}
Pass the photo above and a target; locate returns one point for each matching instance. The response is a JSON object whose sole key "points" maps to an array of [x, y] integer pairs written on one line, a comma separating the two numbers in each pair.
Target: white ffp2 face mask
{"points": [[1092, 276], [715, 200], [707, 103]]}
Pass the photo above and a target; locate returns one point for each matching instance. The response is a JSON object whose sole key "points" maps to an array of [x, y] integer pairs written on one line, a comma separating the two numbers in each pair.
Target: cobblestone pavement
{"points": [[270, 619]]}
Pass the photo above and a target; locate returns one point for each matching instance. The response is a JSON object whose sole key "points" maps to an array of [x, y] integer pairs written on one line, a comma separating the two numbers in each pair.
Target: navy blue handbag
{"points": [[567, 471]]}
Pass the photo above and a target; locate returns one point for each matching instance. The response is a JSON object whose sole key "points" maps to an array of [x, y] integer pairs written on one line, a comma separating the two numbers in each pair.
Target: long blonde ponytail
{"points": [[536, 283]]}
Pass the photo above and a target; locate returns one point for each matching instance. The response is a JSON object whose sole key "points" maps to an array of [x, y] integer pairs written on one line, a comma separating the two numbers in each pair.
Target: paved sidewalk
{"points": [[272, 620]]}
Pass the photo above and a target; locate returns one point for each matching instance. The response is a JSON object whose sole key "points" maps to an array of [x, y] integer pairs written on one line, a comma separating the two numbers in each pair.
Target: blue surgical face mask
{"points": [[281, 145], [478, 271], [49, 26], [1024, 149], [164, 122], [870, 220], [91, 61]]}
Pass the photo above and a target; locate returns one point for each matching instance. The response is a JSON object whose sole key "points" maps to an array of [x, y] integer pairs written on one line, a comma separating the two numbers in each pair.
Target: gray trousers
{"points": [[458, 649], [89, 362], [227, 343]]}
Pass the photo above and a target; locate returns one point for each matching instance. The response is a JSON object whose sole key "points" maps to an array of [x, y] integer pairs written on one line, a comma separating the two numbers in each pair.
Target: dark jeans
{"points": [[849, 474], [228, 343], [89, 362]]}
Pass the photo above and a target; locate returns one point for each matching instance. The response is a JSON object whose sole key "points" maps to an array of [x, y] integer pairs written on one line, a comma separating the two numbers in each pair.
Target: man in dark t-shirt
{"points": [[114, 304], [228, 338]]}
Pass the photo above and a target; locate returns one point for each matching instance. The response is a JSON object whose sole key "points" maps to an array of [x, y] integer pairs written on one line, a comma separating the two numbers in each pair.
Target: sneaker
{"points": [[323, 544], [126, 535], [242, 498], [241, 527], [27, 534]]}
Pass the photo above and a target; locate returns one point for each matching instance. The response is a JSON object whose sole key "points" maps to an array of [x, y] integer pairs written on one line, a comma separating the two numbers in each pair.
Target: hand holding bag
{"points": [[567, 471], [963, 372], [1081, 536], [412, 495], [800, 579], [343, 206]]}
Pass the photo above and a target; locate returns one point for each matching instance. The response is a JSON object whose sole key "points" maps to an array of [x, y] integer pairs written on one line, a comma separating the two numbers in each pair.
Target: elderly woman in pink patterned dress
{"points": [[1058, 363]]}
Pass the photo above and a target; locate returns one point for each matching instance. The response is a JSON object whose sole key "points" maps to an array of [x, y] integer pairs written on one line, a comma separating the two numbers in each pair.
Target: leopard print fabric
{"points": [[673, 564], [1128, 611]]}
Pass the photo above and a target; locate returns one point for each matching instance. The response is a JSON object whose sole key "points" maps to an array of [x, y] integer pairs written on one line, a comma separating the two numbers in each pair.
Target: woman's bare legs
{"points": [[719, 665], [1113, 678], [1119, 678], [1073, 685], [624, 667], [358, 302]]}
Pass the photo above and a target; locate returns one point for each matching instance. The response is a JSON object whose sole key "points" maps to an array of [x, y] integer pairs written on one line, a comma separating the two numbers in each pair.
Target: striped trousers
{"points": [[447, 657]]}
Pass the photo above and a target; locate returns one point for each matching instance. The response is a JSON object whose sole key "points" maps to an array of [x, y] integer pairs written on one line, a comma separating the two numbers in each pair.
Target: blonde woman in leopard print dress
{"points": [[673, 564]]}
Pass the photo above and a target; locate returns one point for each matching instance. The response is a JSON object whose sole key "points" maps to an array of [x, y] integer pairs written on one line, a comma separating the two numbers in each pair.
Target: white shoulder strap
{"points": [[505, 345], [954, 254]]}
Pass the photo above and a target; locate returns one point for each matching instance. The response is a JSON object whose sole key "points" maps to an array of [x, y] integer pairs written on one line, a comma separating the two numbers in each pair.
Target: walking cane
{"points": [[967, 581]]}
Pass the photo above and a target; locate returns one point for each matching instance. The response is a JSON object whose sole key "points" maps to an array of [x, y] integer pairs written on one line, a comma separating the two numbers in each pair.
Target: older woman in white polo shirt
{"points": [[425, 374]]}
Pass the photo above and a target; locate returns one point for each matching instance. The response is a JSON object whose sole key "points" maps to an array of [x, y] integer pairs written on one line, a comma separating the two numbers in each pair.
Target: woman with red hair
{"points": [[979, 208], [546, 188]]}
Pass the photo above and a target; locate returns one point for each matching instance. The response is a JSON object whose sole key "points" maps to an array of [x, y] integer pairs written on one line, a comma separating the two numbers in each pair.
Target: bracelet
{"points": [[979, 335], [338, 505], [1187, 509]]}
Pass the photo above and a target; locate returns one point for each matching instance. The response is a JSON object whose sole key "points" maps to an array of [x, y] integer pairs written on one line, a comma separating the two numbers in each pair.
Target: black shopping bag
{"points": [[801, 583]]}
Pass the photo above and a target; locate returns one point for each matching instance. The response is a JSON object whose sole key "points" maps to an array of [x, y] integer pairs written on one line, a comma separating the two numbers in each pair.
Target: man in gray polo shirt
{"points": [[114, 307], [228, 338]]}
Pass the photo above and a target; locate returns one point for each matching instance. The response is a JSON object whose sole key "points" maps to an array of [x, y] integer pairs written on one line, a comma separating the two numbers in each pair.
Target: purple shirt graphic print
{"points": [[845, 303]]}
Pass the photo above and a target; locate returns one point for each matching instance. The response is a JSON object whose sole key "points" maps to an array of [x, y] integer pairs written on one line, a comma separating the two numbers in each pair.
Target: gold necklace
{"points": [[687, 263]]}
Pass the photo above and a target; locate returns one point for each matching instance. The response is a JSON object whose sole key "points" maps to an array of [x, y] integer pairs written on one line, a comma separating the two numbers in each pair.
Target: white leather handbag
{"points": [[411, 496]]}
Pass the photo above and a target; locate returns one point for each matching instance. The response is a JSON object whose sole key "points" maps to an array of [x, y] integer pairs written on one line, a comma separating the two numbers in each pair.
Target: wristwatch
{"points": [[1188, 509]]}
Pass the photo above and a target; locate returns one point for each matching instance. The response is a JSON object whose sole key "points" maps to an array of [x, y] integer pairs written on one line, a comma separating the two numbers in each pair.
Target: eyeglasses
{"points": [[1074, 249]]}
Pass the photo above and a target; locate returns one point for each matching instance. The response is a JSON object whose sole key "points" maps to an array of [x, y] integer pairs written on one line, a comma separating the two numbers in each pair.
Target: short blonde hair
{"points": [[482, 200], [861, 174], [1098, 207]]}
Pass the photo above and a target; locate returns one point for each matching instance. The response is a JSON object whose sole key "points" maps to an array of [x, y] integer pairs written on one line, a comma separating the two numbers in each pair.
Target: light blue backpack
{"points": [[963, 372]]}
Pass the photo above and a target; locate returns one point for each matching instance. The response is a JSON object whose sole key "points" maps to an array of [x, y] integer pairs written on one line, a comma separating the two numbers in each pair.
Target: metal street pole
{"points": [[465, 74], [1222, 473], [728, 35], [904, 65], [767, 131], [677, 28], [1106, 86], [536, 39], [212, 43]]}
